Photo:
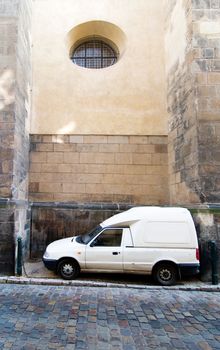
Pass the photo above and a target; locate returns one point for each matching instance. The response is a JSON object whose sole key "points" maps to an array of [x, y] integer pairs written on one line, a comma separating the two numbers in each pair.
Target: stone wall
{"points": [[193, 81], [15, 80], [128, 169], [206, 69], [8, 39], [181, 92]]}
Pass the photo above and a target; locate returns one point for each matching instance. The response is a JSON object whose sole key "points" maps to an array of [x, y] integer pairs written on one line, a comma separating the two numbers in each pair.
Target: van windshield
{"points": [[87, 237]]}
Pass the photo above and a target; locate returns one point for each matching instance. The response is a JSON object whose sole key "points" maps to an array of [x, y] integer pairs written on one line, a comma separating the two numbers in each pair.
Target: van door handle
{"points": [[115, 253]]}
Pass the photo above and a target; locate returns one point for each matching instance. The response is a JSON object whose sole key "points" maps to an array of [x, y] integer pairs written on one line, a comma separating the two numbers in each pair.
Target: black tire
{"points": [[68, 269], [165, 274]]}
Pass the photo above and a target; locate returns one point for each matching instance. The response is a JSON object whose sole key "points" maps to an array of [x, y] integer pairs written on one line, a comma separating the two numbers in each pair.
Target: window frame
{"points": [[92, 244], [89, 58]]}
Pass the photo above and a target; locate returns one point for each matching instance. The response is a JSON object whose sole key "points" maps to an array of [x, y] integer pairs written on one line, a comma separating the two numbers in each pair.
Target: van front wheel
{"points": [[68, 269], [165, 274]]}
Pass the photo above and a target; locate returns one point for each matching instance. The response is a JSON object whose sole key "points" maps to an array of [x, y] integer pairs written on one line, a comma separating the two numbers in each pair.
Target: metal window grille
{"points": [[94, 54]]}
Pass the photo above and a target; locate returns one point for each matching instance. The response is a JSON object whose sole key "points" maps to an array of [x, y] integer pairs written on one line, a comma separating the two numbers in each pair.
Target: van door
{"points": [[135, 259], [104, 253]]}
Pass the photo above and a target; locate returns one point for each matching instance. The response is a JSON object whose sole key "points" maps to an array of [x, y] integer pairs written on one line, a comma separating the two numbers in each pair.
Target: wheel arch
{"points": [[166, 261]]}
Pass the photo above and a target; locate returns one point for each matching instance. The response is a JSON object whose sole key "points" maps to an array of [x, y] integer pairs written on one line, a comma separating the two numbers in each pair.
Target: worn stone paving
{"points": [[68, 317]]}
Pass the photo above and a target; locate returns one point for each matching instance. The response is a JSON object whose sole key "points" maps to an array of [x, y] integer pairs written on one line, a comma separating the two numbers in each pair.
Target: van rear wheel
{"points": [[165, 274], [68, 269]]}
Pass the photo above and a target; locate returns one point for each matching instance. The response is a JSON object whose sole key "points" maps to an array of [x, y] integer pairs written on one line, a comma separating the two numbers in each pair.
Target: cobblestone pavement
{"points": [[67, 317]]}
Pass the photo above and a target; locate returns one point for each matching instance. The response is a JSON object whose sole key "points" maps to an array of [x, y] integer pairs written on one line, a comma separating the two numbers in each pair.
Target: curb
{"points": [[74, 283]]}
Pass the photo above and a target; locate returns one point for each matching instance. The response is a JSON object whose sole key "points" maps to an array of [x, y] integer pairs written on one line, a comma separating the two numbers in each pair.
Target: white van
{"points": [[142, 240]]}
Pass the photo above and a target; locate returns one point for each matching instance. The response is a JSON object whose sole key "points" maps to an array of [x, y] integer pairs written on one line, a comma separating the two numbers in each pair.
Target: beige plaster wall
{"points": [[127, 98]]}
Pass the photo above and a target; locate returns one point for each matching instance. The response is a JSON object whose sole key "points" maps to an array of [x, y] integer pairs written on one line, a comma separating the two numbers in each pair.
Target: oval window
{"points": [[94, 54]]}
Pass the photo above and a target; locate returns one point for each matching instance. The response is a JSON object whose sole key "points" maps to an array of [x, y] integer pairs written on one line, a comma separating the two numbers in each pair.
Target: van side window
{"points": [[109, 238]]}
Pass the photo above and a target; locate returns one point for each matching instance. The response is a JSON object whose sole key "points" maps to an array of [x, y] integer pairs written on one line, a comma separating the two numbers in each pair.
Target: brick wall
{"points": [[130, 169]]}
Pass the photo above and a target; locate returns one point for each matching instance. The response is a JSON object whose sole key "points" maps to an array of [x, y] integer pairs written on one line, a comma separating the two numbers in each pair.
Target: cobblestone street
{"points": [[67, 317]]}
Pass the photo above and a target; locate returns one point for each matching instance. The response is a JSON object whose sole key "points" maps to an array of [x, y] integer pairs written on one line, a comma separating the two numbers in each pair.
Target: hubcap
{"points": [[67, 269], [165, 274]]}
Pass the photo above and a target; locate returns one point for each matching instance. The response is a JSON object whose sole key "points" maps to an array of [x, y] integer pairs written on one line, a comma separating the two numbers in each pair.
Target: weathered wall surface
{"points": [[82, 168], [193, 80], [181, 91], [8, 38], [206, 68], [15, 79]]}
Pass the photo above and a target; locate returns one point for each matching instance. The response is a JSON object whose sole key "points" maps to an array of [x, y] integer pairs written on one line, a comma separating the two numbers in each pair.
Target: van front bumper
{"points": [[50, 264], [189, 269]]}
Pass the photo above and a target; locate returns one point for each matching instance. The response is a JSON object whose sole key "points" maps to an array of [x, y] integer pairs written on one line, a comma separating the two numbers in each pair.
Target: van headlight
{"points": [[46, 254]]}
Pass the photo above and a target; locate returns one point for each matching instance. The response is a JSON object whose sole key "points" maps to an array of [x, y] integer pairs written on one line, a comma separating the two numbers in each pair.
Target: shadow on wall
{"points": [[50, 224]]}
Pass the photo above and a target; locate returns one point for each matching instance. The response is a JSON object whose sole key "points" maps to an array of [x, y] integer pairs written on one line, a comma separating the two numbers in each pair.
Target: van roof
{"points": [[148, 213]]}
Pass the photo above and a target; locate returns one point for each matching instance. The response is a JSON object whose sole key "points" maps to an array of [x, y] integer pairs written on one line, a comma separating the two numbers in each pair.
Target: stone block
{"points": [[7, 166], [123, 158], [76, 139], [44, 147], [216, 52], [59, 138], [209, 115], [36, 138], [216, 65], [118, 139], [73, 188], [64, 147], [214, 78], [55, 157], [158, 140], [71, 157], [47, 187], [48, 168], [146, 148], [208, 52], [99, 158], [65, 168], [215, 4], [95, 139], [162, 148], [108, 148], [139, 139], [126, 169], [38, 157], [206, 90], [34, 186], [35, 167], [87, 148], [41, 197], [201, 78], [139, 158], [159, 159]]}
